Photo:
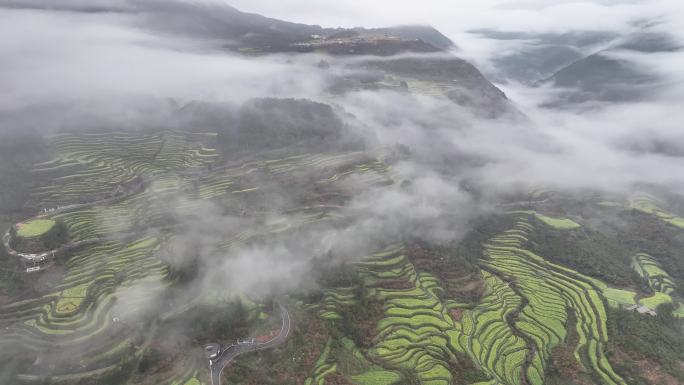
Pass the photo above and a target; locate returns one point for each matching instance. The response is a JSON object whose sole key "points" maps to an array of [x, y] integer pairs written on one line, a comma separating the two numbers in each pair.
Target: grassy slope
{"points": [[35, 228]]}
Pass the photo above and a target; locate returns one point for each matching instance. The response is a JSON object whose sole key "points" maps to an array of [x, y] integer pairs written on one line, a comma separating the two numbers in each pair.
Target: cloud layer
{"points": [[117, 64]]}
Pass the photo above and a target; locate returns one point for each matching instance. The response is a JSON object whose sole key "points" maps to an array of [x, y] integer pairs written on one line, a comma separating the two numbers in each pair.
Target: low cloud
{"points": [[117, 65]]}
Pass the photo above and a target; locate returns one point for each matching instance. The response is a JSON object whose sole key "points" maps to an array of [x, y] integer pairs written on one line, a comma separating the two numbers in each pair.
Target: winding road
{"points": [[231, 352]]}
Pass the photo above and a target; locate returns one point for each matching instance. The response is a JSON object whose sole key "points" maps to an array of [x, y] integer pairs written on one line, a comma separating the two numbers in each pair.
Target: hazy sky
{"points": [[453, 16]]}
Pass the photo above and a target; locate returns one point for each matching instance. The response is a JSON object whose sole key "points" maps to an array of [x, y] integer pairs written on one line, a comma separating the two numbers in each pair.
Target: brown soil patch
{"points": [[416, 251], [396, 285], [453, 274], [316, 338], [368, 327], [466, 290], [563, 360], [654, 374], [456, 314], [422, 263], [266, 336], [337, 379], [648, 369], [314, 331], [470, 286]]}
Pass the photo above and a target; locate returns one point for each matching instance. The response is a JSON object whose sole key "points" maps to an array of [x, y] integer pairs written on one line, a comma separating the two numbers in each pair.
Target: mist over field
{"points": [[238, 162]]}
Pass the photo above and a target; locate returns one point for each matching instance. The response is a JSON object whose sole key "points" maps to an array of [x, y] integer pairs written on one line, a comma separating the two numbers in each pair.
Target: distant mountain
{"points": [[219, 26], [541, 54], [650, 42], [442, 74], [604, 77], [583, 65], [230, 27], [249, 32], [253, 33]]}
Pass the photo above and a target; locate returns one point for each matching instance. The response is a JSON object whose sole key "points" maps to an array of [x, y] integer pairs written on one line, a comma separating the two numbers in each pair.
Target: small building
{"points": [[212, 351], [641, 309]]}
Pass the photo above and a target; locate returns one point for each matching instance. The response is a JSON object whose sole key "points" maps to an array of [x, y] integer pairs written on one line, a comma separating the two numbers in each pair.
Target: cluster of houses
{"points": [[51, 210], [32, 262]]}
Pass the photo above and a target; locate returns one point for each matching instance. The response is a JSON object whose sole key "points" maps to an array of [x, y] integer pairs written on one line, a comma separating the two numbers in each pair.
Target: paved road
{"points": [[233, 351]]}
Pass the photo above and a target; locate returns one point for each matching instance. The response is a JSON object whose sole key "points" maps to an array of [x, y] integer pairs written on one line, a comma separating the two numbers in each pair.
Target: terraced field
{"points": [[511, 332], [342, 358], [549, 292], [119, 195], [333, 302], [556, 223], [661, 283], [488, 339], [88, 166], [649, 204], [122, 198], [657, 278], [84, 309], [619, 297], [417, 333], [322, 367]]}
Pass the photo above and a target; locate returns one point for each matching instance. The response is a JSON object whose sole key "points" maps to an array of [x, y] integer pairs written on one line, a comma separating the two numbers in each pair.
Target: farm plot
{"points": [[648, 204], [118, 194], [487, 337], [98, 163], [655, 300], [326, 173], [146, 209], [323, 367], [187, 374], [91, 304], [555, 222], [618, 297], [417, 332], [551, 290], [325, 170], [99, 178], [335, 300], [35, 228], [353, 365], [679, 311], [649, 269], [374, 172]]}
